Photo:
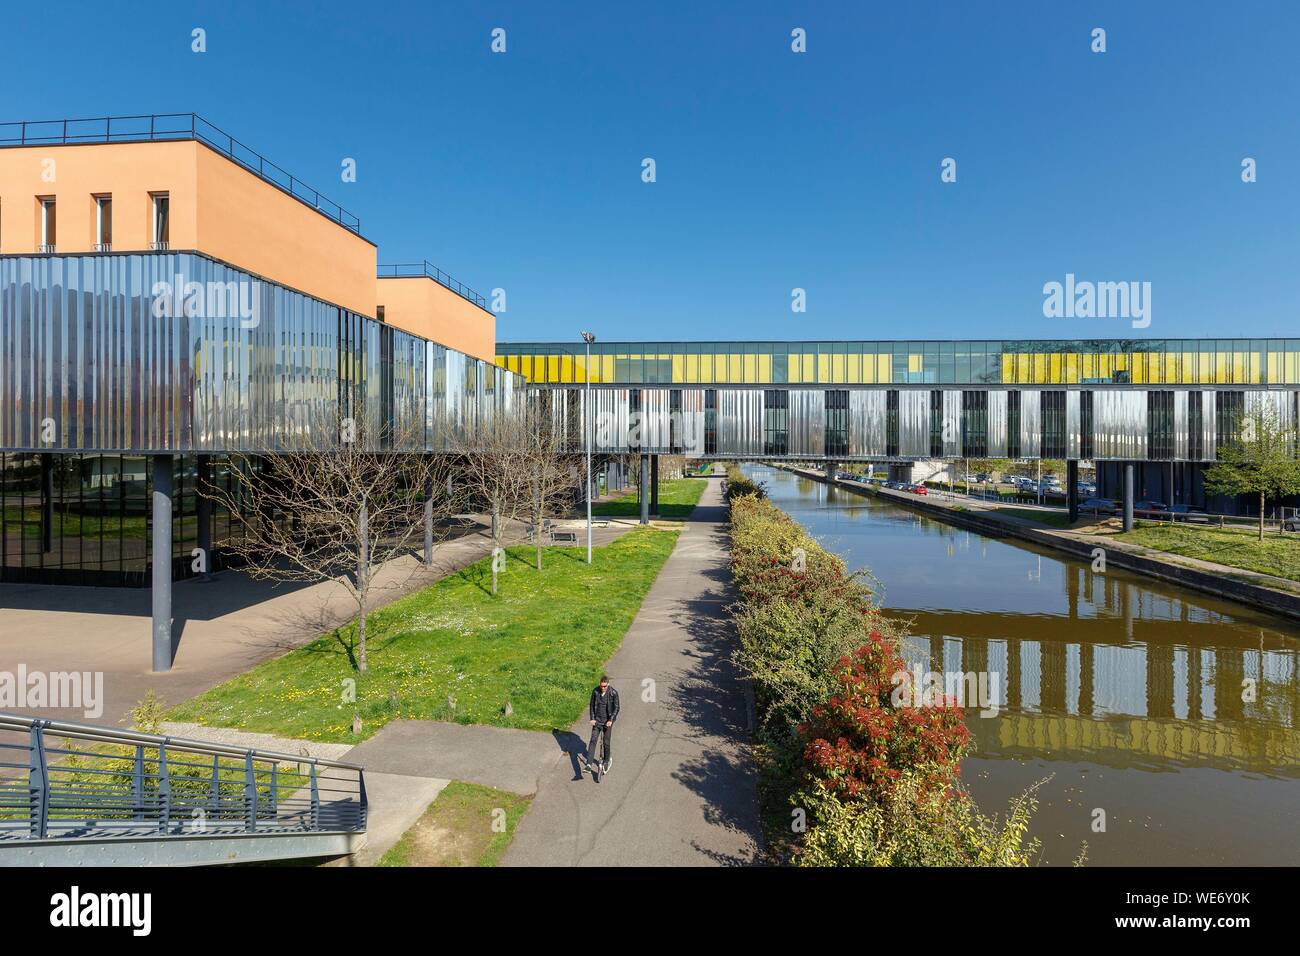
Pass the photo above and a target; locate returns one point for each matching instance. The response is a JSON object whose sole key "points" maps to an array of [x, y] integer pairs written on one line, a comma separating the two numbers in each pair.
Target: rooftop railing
{"points": [[171, 126], [409, 270], [66, 781]]}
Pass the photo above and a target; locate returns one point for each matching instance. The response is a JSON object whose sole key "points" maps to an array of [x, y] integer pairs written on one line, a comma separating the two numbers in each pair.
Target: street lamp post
{"points": [[588, 338]]}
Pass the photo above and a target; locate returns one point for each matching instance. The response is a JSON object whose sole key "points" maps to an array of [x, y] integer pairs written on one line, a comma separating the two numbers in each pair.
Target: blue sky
{"points": [[775, 170]]}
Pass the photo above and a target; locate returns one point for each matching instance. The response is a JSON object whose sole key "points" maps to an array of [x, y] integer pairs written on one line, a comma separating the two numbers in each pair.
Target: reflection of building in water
{"points": [[1124, 684]]}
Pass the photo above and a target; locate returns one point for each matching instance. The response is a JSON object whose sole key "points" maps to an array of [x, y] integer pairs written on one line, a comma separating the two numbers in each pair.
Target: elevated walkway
{"points": [[80, 795]]}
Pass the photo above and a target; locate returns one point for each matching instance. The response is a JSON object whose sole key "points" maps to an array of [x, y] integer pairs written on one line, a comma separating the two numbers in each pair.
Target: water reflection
{"points": [[1139, 696]]}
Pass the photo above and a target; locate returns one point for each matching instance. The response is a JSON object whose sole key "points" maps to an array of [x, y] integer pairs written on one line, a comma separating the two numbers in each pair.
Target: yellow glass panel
{"points": [[679, 368], [1040, 368], [915, 363], [1072, 368], [854, 368], [734, 369], [792, 369], [1293, 368], [1054, 367], [552, 368], [837, 368], [823, 368], [1274, 367], [751, 367], [809, 368], [1239, 367], [765, 368], [567, 373], [706, 368], [884, 368]]}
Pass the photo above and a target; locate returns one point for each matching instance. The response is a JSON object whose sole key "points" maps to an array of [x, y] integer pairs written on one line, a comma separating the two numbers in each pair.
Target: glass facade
{"points": [[992, 362], [87, 518]]}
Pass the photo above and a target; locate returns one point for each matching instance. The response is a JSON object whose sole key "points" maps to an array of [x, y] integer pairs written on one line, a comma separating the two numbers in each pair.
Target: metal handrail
{"points": [[155, 127], [412, 270], [129, 784]]}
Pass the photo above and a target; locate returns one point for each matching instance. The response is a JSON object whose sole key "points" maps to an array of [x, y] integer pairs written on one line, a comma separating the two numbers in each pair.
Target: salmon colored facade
{"points": [[422, 306], [216, 207]]}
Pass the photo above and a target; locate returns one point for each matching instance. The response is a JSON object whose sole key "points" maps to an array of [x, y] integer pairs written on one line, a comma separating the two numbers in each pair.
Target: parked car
{"points": [[983, 478], [919, 489], [1148, 506], [1288, 524], [1188, 513], [1100, 505]]}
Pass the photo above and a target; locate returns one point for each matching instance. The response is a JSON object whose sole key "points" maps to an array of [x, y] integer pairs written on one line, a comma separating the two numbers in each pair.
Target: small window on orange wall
{"points": [[104, 223], [161, 220]]}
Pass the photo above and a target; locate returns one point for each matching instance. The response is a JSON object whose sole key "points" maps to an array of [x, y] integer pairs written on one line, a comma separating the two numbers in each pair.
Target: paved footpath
{"points": [[681, 791]]}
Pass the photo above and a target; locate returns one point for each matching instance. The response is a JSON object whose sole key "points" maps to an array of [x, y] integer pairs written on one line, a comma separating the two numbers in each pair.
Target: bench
{"points": [[564, 537]]}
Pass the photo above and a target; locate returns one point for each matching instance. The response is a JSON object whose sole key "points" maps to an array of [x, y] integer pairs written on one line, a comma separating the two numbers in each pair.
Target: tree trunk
{"points": [[363, 575], [1261, 516], [496, 543], [361, 636], [537, 530]]}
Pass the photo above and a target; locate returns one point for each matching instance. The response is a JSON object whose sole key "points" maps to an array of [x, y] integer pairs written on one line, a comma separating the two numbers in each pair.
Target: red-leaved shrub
{"points": [[858, 744]]}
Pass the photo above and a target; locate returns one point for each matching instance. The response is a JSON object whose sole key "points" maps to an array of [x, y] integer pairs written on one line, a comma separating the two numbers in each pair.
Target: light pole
{"points": [[588, 338]]}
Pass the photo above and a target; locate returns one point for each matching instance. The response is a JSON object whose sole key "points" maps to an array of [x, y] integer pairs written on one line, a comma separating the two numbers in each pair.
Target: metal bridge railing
{"points": [[75, 781]]}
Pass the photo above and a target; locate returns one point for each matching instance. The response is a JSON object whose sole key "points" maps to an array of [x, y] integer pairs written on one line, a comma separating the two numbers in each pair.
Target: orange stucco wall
{"points": [[73, 175], [424, 307], [217, 207]]}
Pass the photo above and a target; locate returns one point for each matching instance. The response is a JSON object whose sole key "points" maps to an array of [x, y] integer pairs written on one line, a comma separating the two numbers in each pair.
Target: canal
{"points": [[1171, 711]]}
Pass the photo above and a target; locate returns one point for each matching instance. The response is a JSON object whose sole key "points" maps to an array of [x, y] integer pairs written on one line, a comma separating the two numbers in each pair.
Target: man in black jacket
{"points": [[603, 711]]}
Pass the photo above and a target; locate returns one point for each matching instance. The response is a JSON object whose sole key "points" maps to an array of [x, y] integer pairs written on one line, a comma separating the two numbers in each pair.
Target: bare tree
{"points": [[336, 509], [551, 471], [496, 462]]}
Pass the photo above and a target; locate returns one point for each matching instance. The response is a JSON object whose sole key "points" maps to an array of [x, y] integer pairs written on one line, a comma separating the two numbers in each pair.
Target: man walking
{"points": [[603, 711]]}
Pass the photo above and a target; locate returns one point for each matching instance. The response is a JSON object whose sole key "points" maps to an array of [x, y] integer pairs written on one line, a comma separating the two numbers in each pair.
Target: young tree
{"points": [[553, 475], [337, 509], [497, 461], [1259, 460]]}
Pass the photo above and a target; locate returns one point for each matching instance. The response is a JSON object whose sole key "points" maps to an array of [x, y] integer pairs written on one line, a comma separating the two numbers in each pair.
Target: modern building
{"points": [[1161, 406], [168, 297]]}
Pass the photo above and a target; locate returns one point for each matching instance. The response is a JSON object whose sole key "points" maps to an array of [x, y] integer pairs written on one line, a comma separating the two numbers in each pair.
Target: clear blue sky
{"points": [[775, 170]]}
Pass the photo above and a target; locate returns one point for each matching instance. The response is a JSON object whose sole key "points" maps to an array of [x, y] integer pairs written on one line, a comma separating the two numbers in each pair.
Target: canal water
{"points": [[1134, 697]]}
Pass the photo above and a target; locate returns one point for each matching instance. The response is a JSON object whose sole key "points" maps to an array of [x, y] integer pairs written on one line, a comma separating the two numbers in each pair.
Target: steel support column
{"points": [[644, 489], [1072, 487], [654, 485], [162, 563], [1128, 496]]}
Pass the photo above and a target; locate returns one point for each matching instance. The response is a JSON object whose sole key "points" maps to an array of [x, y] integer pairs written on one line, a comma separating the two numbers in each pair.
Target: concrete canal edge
{"points": [[1217, 583]]}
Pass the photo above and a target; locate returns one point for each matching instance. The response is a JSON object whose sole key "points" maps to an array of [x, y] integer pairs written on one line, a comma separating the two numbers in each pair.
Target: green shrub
{"points": [[913, 826], [740, 485]]}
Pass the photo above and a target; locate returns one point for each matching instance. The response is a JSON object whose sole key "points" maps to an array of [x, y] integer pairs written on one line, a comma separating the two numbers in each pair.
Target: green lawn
{"points": [[539, 644], [466, 825], [676, 500], [1056, 519], [1236, 547]]}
